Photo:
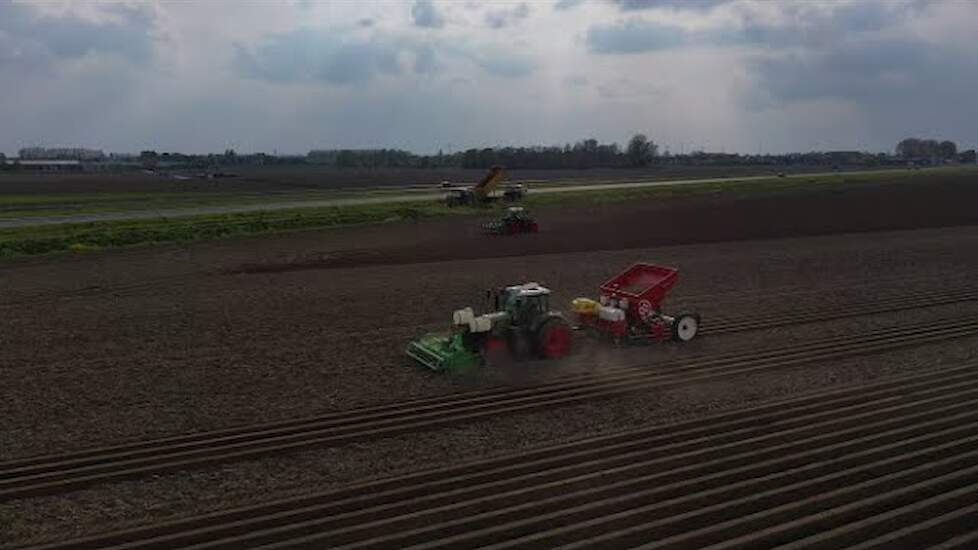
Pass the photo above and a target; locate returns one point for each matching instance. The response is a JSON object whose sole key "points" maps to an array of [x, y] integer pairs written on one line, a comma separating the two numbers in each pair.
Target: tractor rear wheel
{"points": [[554, 339], [685, 327]]}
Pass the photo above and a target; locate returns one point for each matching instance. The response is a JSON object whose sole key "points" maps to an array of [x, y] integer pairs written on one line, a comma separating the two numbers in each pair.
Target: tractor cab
{"points": [[514, 221], [519, 319], [516, 213], [523, 303]]}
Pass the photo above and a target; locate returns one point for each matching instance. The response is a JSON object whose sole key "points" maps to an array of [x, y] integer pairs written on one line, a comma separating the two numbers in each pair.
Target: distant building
{"points": [[61, 153], [46, 165]]}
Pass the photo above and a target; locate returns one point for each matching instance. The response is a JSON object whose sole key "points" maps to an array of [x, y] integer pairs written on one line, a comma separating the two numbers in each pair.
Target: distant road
{"points": [[415, 196]]}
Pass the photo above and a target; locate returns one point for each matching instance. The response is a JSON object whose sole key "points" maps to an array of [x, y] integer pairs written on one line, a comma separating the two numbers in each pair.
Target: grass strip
{"points": [[79, 237]]}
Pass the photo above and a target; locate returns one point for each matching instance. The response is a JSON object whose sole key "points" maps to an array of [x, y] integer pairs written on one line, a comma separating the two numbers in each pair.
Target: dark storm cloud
{"points": [[898, 73], [897, 87], [318, 55], [424, 14], [634, 36], [32, 41], [499, 19], [841, 55]]}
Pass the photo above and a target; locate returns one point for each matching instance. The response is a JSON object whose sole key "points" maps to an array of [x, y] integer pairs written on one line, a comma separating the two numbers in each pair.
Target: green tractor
{"points": [[521, 322], [516, 220]]}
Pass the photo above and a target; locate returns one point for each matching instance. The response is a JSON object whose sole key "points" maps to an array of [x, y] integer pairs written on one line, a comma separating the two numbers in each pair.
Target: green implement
{"points": [[441, 352]]}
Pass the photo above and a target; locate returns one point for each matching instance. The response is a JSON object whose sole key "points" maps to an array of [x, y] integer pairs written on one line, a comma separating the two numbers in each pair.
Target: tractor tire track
{"points": [[882, 465], [53, 474]]}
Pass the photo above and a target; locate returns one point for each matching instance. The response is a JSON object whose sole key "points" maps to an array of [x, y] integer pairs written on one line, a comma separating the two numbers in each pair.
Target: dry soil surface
{"points": [[123, 346]]}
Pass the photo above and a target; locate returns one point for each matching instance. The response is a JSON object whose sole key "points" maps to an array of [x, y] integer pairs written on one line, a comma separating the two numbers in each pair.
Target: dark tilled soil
{"points": [[131, 503], [695, 220], [122, 346], [116, 347]]}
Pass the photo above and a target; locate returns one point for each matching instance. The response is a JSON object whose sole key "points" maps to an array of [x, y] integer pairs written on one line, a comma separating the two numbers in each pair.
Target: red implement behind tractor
{"points": [[630, 306]]}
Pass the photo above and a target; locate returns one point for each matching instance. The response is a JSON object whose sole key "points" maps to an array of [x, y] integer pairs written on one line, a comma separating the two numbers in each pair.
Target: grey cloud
{"points": [[500, 63], [315, 55], [864, 16], [809, 30], [819, 29], [426, 60], [366, 22], [834, 80], [336, 58], [633, 5], [634, 36], [902, 71], [562, 5], [628, 89], [34, 41], [425, 14], [576, 80], [494, 59], [24, 56], [895, 85], [503, 18]]}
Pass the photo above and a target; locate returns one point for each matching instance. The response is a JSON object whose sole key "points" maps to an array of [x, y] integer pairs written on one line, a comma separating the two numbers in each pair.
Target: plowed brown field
{"points": [[123, 346]]}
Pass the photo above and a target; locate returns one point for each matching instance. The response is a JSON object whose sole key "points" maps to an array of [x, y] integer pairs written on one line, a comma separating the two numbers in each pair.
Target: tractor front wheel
{"points": [[554, 339], [685, 327]]}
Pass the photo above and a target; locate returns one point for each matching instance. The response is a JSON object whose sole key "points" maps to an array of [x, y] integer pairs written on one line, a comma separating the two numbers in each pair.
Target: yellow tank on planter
{"points": [[585, 306]]}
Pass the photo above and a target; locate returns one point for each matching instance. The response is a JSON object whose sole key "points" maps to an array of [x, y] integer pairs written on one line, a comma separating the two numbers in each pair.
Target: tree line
{"points": [[588, 153], [926, 148]]}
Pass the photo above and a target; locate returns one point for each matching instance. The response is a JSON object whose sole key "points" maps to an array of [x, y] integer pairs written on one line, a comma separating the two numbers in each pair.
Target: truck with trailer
{"points": [[486, 191]]}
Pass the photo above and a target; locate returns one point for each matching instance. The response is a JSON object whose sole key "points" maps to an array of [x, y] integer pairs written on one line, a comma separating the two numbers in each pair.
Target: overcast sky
{"points": [[732, 75]]}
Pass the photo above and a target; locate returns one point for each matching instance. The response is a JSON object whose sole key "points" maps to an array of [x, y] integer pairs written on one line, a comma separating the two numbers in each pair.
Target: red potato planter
{"points": [[630, 307]]}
